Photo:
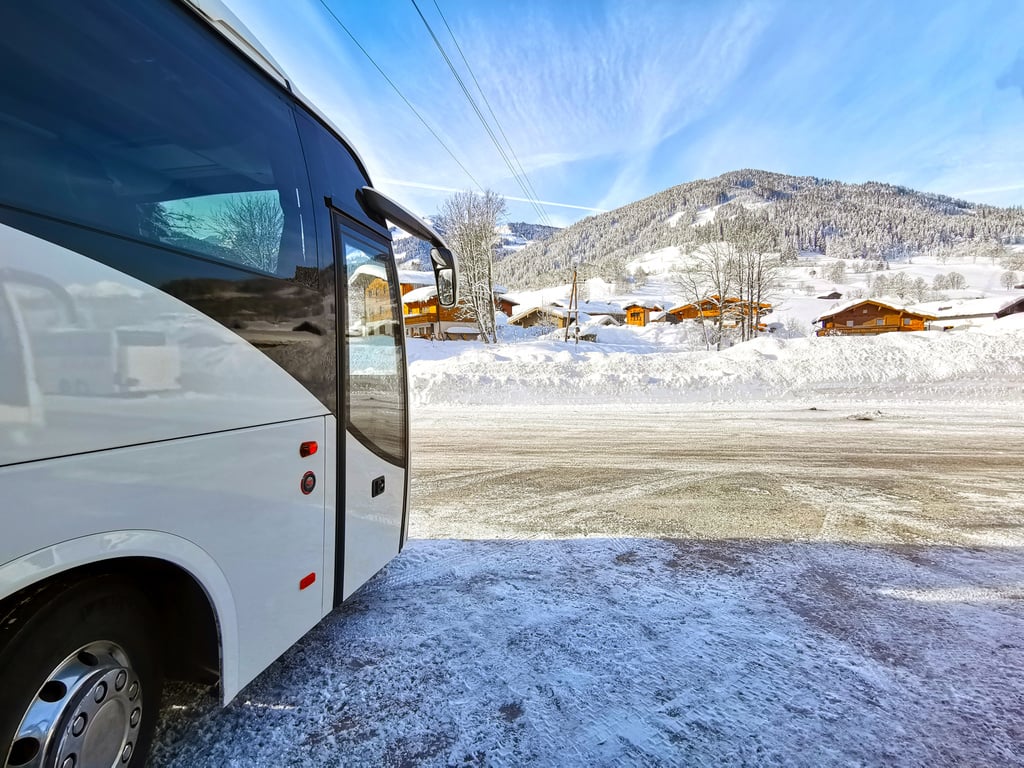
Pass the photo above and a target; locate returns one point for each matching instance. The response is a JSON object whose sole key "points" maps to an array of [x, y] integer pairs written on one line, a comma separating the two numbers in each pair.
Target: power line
{"points": [[400, 94], [494, 117], [480, 116]]}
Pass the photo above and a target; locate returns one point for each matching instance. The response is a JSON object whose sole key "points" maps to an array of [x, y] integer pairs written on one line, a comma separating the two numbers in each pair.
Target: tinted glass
{"points": [[375, 367], [142, 122]]}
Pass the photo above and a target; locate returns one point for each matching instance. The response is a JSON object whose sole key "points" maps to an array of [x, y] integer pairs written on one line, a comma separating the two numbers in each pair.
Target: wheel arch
{"points": [[188, 593]]}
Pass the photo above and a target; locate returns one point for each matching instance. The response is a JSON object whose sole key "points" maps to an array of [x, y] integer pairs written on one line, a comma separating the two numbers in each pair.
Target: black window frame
{"points": [[340, 223]]}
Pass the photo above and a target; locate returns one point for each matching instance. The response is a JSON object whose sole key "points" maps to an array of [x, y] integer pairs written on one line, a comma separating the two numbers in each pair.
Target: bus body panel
{"points": [[373, 524], [55, 559], [270, 533], [215, 389]]}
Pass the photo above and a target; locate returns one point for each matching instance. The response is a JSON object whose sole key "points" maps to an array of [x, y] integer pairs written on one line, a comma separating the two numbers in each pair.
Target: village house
{"points": [[638, 313], [871, 316], [604, 308], [962, 313], [551, 315], [731, 310], [504, 303], [424, 317]]}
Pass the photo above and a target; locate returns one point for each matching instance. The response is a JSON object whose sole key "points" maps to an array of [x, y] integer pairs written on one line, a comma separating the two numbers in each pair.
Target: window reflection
{"points": [[375, 366]]}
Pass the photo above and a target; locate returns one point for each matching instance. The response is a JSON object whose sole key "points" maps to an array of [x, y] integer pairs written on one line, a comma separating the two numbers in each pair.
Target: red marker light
{"points": [[307, 581], [308, 448]]}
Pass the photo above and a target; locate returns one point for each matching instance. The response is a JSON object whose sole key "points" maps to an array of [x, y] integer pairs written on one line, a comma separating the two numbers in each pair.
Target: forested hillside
{"points": [[413, 253], [872, 221]]}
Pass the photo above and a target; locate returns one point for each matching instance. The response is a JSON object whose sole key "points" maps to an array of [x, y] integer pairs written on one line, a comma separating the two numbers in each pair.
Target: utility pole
{"points": [[572, 312]]}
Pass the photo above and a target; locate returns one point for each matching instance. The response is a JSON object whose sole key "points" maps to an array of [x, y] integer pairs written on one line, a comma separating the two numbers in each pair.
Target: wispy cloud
{"points": [[449, 190], [607, 101]]}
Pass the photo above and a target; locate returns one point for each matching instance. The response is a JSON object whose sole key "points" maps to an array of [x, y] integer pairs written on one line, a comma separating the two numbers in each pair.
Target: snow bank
{"points": [[658, 364]]}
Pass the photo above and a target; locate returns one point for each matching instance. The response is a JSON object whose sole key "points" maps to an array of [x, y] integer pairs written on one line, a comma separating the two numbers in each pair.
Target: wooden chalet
{"points": [[871, 316], [528, 318], [368, 286], [639, 313], [424, 317], [963, 313], [731, 309], [600, 308], [505, 304], [554, 316]]}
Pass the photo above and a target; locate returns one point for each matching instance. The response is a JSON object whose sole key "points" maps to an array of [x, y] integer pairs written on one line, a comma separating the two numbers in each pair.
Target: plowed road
{"points": [[663, 586]]}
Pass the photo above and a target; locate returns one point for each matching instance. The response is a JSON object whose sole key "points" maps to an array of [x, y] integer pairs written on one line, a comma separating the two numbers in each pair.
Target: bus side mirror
{"points": [[443, 261]]}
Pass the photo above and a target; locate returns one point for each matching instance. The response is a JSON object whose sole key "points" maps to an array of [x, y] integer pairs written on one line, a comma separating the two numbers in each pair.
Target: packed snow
{"points": [[658, 364], [639, 652]]}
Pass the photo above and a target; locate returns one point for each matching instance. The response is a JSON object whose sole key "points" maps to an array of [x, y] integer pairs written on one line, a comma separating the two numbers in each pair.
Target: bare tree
{"points": [[709, 279], [757, 265], [251, 225], [1008, 279], [469, 222], [956, 280], [836, 271]]}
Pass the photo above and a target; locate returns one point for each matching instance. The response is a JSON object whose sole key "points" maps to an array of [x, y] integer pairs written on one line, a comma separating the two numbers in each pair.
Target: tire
{"points": [[80, 681]]}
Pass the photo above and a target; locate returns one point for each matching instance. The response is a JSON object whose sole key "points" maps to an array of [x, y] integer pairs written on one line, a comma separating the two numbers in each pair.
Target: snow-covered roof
{"points": [[644, 304], [413, 277], [889, 302], [583, 317], [600, 320], [523, 314], [601, 308], [371, 270], [426, 293], [946, 310]]}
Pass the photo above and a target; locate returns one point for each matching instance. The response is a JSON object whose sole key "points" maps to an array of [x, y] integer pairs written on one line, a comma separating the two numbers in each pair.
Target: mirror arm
{"points": [[382, 208]]}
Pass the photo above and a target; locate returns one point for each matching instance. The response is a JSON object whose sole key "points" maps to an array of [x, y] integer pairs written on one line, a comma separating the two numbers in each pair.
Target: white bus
{"points": [[203, 406]]}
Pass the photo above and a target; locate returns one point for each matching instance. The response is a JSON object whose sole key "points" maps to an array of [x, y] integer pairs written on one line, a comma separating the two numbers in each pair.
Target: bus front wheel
{"points": [[81, 682]]}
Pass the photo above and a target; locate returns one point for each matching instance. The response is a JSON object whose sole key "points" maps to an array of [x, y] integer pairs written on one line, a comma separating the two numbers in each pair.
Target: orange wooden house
{"points": [[423, 315], [710, 308], [639, 313], [870, 316]]}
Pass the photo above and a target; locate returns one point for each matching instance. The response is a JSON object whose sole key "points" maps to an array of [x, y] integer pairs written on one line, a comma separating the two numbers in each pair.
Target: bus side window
{"points": [[140, 126]]}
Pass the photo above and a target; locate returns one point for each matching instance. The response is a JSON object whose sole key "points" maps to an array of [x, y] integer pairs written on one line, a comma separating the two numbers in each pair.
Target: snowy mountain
{"points": [[871, 221], [412, 253]]}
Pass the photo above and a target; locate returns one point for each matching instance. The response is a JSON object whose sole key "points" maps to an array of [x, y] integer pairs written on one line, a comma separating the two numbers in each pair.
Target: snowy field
{"points": [[798, 552]]}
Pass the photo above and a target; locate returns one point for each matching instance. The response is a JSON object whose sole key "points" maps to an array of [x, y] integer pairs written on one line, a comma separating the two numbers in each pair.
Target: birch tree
{"points": [[469, 222], [757, 266]]}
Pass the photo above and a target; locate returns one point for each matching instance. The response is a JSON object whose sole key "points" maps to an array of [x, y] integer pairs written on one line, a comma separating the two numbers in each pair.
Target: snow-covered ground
{"points": [[639, 652], [798, 552], [658, 364]]}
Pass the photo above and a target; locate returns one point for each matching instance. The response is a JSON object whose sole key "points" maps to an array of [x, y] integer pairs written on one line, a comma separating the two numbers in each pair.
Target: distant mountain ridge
{"points": [[870, 220], [413, 253]]}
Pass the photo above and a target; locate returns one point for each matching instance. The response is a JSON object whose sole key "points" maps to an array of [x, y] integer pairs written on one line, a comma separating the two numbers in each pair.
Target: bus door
{"points": [[373, 428]]}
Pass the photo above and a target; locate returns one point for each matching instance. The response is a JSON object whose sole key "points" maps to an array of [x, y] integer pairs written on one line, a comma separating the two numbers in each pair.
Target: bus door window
{"points": [[375, 365]]}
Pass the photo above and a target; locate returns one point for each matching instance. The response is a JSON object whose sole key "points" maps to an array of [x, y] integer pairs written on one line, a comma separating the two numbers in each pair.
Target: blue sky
{"points": [[607, 102]]}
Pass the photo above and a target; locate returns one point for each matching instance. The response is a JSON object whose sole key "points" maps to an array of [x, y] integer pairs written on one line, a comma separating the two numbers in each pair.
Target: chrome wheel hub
{"points": [[86, 715]]}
